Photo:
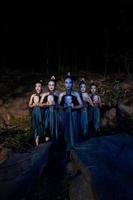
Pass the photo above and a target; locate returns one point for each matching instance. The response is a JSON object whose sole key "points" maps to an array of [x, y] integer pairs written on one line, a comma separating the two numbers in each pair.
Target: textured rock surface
{"points": [[20, 171], [109, 162]]}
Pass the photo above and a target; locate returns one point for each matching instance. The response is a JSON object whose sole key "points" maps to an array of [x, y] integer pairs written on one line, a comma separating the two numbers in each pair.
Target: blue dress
{"points": [[94, 116], [69, 123], [83, 118], [37, 123], [51, 120]]}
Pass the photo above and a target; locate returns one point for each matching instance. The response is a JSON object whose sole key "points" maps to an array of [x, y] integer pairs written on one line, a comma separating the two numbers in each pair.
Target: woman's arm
{"points": [[41, 104], [90, 101], [79, 101], [31, 105]]}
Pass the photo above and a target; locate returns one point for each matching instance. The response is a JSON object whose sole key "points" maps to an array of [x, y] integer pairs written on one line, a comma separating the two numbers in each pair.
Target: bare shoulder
{"points": [[76, 94], [33, 95], [86, 95], [45, 94], [56, 93], [62, 94]]}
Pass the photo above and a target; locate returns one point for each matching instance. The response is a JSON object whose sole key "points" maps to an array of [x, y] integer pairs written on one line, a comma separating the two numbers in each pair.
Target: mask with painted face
{"points": [[36, 99], [95, 99], [68, 100], [50, 100]]}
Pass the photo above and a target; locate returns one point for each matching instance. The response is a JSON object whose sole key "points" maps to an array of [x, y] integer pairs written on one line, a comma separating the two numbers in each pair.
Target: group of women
{"points": [[67, 114]]}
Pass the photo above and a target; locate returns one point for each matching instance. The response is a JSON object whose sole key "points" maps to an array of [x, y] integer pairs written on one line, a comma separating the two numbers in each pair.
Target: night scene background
{"points": [[96, 44]]}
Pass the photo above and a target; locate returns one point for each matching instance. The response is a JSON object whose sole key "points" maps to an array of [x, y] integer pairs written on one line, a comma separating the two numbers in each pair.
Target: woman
{"points": [[49, 103], [95, 109], [70, 102], [83, 115], [34, 104]]}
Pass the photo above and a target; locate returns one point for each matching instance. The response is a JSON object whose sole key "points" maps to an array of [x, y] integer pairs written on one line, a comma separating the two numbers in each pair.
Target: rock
{"points": [[126, 110], [107, 162], [126, 85], [19, 172], [81, 186], [71, 169], [111, 114], [17, 104], [15, 112], [78, 189], [109, 119], [104, 122], [4, 154]]}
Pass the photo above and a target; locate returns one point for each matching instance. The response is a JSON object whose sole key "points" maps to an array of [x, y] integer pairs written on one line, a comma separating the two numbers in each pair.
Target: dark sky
{"points": [[29, 40]]}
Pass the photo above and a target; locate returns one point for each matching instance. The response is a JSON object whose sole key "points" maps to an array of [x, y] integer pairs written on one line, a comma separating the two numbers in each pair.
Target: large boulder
{"points": [[111, 114], [126, 110], [127, 85], [15, 112], [109, 118], [19, 172]]}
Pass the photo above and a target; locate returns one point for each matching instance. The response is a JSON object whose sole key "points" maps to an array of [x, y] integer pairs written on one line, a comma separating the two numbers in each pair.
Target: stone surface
{"points": [[111, 114], [78, 189], [126, 110], [20, 171], [127, 85], [108, 161]]}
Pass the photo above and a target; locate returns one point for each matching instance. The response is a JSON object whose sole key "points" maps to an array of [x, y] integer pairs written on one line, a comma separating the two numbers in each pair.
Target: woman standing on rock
{"points": [[49, 103], [94, 111], [34, 103], [70, 102], [83, 114]]}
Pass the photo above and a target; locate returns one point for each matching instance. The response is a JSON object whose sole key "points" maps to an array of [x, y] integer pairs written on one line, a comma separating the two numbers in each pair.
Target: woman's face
{"points": [[38, 87], [68, 83], [51, 86], [82, 88], [93, 89]]}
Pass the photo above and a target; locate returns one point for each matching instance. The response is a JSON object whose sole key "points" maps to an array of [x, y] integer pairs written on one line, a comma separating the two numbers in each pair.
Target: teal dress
{"points": [[94, 116], [69, 123], [37, 123], [51, 120], [83, 119]]}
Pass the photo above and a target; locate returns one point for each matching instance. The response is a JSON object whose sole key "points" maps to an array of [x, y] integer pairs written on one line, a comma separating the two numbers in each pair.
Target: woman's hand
{"points": [[35, 104]]}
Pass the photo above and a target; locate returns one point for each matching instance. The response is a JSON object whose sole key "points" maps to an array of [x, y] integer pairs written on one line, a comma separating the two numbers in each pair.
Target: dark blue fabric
{"points": [[94, 117], [51, 122], [37, 126], [69, 124], [84, 123]]}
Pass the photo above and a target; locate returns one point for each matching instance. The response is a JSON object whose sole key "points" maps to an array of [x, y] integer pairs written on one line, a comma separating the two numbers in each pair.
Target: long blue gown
{"points": [[83, 118], [51, 120], [37, 124], [94, 116], [69, 123]]}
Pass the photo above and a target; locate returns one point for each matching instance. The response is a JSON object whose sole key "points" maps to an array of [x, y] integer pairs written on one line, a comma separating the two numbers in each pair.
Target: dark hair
{"points": [[40, 82], [68, 76], [92, 84], [82, 81], [53, 79]]}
